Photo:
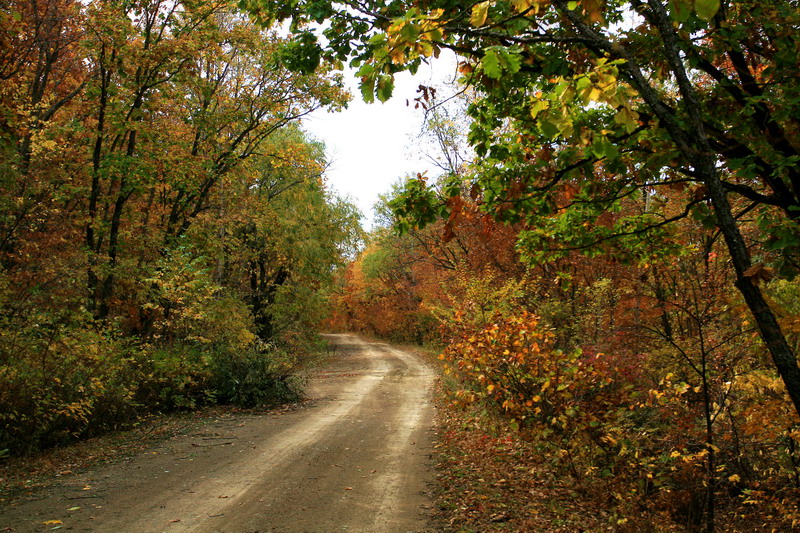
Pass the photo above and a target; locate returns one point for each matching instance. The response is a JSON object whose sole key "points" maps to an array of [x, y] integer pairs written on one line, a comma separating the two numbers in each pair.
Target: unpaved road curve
{"points": [[356, 459]]}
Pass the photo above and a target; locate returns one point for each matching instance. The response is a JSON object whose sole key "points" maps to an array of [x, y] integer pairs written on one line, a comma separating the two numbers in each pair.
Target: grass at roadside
{"points": [[22, 475]]}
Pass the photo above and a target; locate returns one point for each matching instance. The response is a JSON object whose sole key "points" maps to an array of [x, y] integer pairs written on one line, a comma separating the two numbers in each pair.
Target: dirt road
{"points": [[356, 459]]}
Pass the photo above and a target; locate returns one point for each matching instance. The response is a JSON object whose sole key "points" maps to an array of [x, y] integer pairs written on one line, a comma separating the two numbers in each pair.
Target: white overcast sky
{"points": [[371, 146]]}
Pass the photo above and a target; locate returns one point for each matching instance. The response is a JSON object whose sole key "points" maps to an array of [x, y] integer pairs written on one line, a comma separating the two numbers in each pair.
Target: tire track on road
{"points": [[357, 460]]}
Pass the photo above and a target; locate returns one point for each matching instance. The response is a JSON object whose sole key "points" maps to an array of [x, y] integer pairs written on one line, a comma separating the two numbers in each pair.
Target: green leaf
{"points": [[548, 129], [366, 69], [491, 64], [680, 10], [302, 54], [601, 148], [538, 106], [410, 32], [368, 88], [497, 61], [385, 87], [627, 118], [511, 60], [706, 9]]}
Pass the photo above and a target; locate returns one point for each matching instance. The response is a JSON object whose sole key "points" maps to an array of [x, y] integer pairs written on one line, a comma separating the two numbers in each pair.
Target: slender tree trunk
{"points": [[94, 194], [263, 296], [661, 298], [711, 458], [783, 357], [107, 288]]}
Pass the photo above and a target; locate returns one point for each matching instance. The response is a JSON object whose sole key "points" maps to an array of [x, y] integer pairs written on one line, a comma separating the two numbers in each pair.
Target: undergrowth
{"points": [[489, 479], [63, 381]]}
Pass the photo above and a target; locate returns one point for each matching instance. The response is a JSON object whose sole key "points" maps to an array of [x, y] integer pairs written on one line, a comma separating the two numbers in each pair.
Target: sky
{"points": [[372, 146]]}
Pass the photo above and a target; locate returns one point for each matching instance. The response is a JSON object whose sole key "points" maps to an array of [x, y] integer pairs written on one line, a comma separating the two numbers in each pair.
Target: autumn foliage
{"points": [[166, 234], [640, 160], [642, 382]]}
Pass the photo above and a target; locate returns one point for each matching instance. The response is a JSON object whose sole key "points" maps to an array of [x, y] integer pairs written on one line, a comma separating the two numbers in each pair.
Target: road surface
{"points": [[355, 459]]}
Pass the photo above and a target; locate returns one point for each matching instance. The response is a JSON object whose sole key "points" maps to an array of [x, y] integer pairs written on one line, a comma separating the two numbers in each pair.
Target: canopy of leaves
{"points": [[166, 234]]}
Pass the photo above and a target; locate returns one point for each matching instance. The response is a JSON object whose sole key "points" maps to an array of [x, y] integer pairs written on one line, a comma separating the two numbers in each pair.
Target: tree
{"points": [[443, 138], [183, 94], [41, 74], [150, 169], [586, 103], [283, 235]]}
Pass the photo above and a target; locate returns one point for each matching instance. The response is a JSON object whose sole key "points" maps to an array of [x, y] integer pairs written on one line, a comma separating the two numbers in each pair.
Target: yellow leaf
{"points": [[397, 54], [522, 6], [52, 522], [480, 12]]}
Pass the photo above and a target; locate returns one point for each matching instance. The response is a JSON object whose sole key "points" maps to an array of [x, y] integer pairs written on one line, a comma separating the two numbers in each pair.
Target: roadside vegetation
{"points": [[565, 401], [608, 258], [166, 235]]}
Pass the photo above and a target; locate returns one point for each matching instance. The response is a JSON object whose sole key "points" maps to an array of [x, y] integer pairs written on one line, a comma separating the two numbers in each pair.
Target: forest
{"points": [[167, 239], [607, 261]]}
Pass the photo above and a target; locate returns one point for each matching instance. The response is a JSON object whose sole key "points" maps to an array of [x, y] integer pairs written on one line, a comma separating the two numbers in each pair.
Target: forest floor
{"points": [[355, 457], [490, 480]]}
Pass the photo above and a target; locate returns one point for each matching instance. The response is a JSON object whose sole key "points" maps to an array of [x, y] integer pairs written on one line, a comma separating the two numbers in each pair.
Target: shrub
{"points": [[264, 374]]}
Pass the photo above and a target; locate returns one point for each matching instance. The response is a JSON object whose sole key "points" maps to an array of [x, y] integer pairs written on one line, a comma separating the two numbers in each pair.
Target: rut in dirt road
{"points": [[356, 460]]}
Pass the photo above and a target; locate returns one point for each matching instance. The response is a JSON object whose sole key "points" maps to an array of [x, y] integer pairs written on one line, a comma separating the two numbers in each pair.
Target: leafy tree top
{"points": [[587, 103]]}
